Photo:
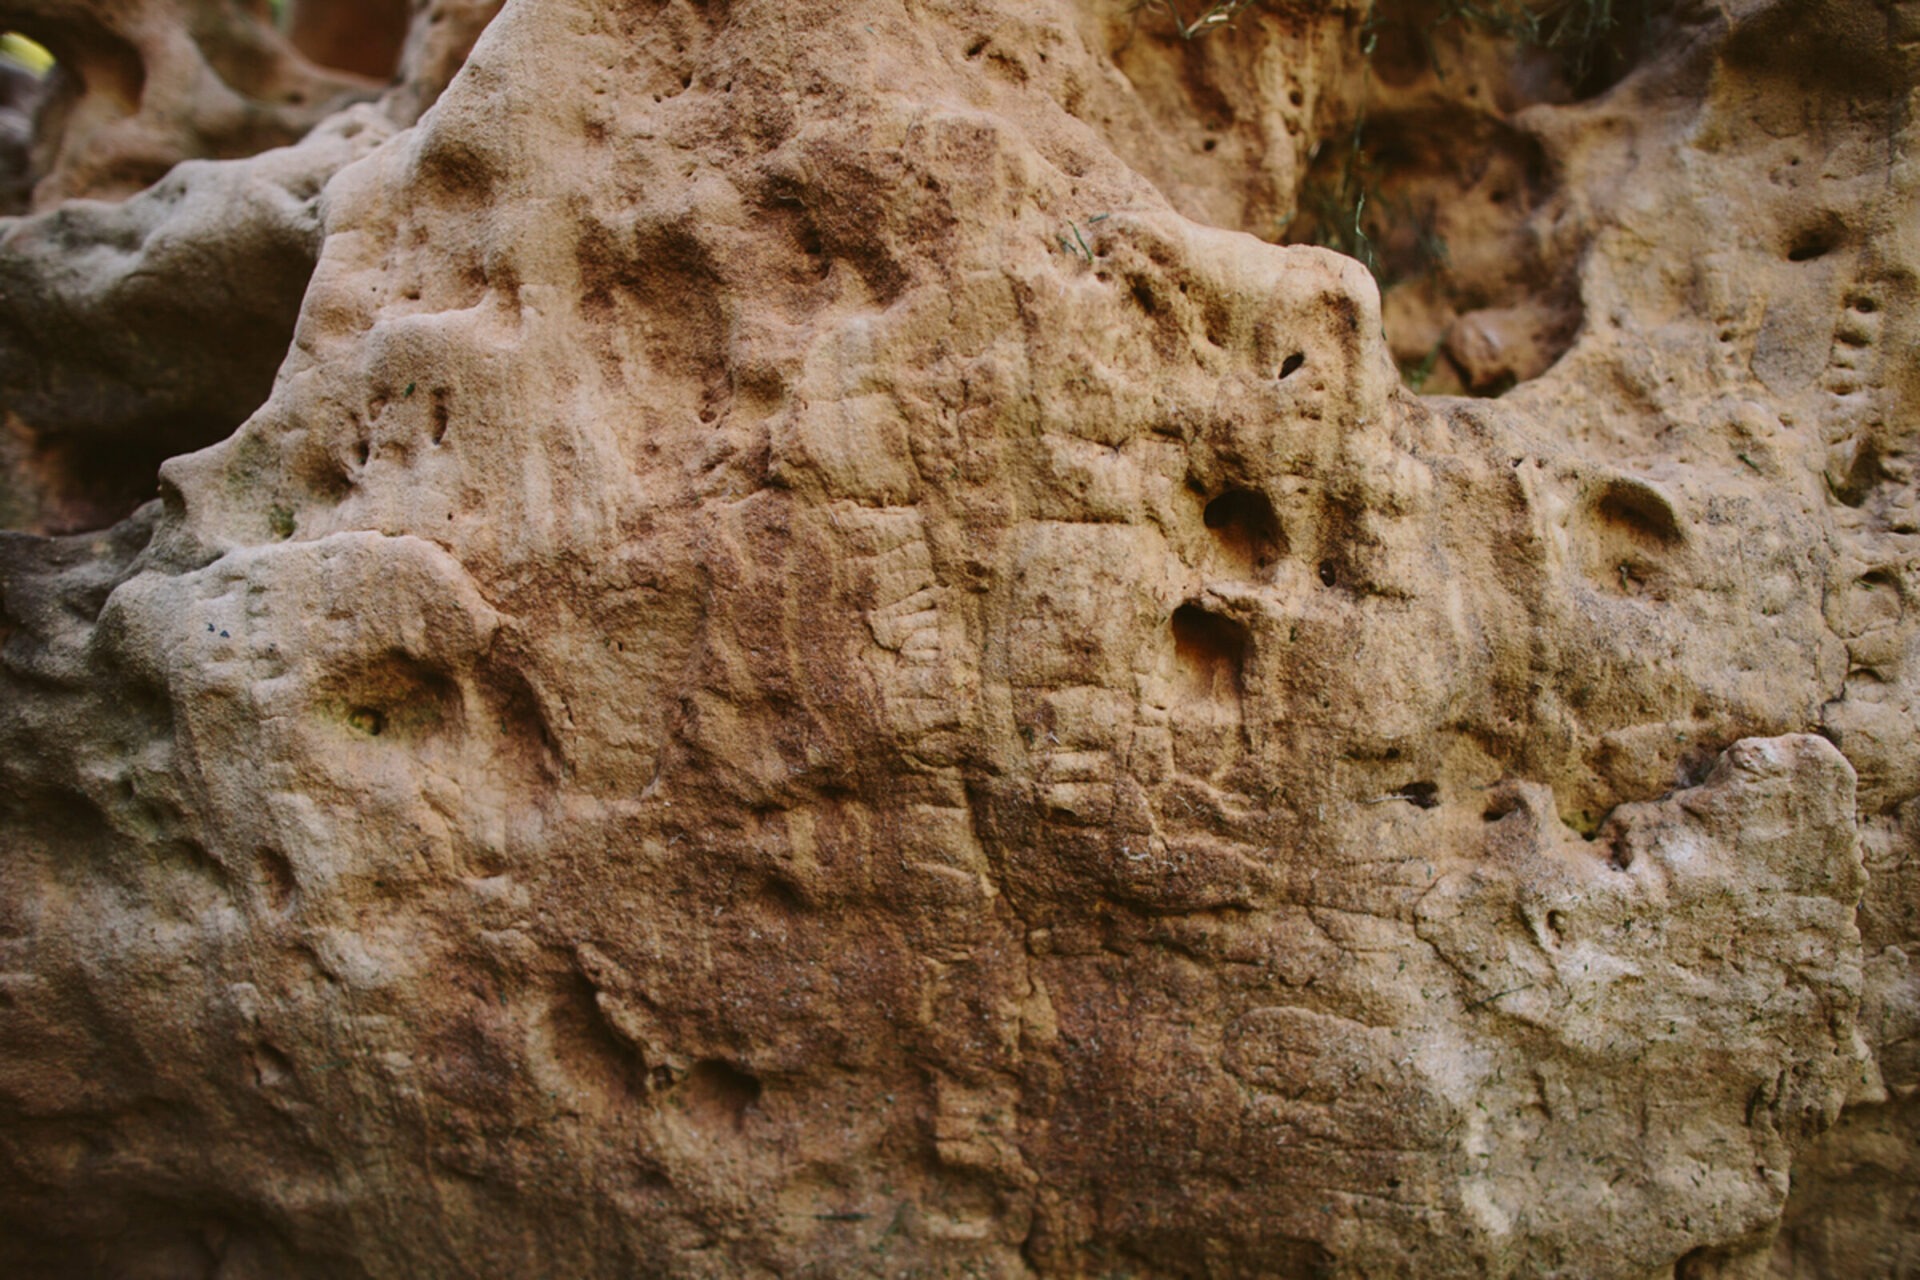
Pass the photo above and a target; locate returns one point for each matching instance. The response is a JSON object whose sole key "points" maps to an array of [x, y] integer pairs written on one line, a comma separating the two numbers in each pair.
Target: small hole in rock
{"points": [[719, 1093], [1421, 795], [366, 720], [1291, 365], [1211, 651], [1816, 241], [1638, 511], [1328, 574], [1247, 529], [276, 871]]}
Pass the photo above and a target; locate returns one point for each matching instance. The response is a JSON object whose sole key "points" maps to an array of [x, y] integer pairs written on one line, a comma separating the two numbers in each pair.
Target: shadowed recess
{"points": [[1246, 530], [1211, 651]]}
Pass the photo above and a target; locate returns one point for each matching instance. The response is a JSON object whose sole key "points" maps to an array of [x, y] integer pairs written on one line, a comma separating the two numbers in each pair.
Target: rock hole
{"points": [[1501, 804], [1556, 927], [526, 734], [1437, 203], [717, 1093], [1211, 651], [324, 475], [441, 415], [272, 1069], [974, 49], [1862, 476], [588, 1046], [1143, 295], [1291, 365], [1639, 511], [1632, 535], [784, 896], [1816, 240], [277, 877], [1329, 575], [1421, 795], [1247, 531], [396, 696]]}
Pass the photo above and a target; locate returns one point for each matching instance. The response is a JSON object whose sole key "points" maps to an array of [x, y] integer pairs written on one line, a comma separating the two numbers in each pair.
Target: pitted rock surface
{"points": [[824, 660]]}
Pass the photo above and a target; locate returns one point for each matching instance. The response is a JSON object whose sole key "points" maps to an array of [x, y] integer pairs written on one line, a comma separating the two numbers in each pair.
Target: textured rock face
{"points": [[818, 664]]}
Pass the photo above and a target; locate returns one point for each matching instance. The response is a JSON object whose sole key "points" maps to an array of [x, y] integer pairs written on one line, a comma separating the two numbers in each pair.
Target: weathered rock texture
{"points": [[823, 661]]}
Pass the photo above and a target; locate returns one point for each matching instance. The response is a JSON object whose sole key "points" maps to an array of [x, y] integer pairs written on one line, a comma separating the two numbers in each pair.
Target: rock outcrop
{"points": [[823, 657]]}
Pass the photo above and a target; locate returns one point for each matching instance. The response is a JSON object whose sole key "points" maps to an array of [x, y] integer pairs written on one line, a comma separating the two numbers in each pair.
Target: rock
{"points": [[138, 87], [131, 331], [815, 661]]}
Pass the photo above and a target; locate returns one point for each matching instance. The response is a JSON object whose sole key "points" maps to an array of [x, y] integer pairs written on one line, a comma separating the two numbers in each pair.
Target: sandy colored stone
{"points": [[823, 660]]}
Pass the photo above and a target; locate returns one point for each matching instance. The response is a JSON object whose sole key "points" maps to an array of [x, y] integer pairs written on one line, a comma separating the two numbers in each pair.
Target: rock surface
{"points": [[823, 660]]}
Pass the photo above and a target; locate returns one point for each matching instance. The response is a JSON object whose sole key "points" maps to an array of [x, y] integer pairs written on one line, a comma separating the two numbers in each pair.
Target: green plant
{"points": [[1581, 32], [1218, 14], [1341, 206], [1077, 246], [1415, 375]]}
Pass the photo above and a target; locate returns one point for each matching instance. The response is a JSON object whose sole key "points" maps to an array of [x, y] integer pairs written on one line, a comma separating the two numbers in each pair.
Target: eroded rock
{"points": [[817, 662]]}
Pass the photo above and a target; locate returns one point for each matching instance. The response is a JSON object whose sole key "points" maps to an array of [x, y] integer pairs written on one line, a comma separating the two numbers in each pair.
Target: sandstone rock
{"points": [[140, 86], [818, 664], [131, 331]]}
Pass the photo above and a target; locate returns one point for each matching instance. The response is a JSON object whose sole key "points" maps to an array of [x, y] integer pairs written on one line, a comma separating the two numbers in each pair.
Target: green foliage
{"points": [[1336, 203], [1580, 31]]}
